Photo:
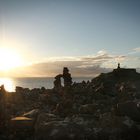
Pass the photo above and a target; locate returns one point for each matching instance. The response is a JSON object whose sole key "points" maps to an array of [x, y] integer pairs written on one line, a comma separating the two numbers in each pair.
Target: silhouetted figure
{"points": [[118, 65], [67, 77], [57, 82]]}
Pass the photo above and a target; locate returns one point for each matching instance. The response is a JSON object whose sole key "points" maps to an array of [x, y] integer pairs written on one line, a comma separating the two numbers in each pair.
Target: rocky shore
{"points": [[105, 108]]}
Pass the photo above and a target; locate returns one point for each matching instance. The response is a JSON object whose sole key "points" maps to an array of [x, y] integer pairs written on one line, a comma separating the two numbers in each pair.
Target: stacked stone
{"points": [[57, 82], [67, 77]]}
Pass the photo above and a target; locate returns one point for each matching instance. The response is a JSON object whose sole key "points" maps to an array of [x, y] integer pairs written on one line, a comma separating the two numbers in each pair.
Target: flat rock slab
{"points": [[21, 119], [22, 122]]}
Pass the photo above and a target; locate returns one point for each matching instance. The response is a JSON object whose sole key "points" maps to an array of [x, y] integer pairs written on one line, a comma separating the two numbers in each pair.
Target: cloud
{"points": [[136, 49], [82, 66]]}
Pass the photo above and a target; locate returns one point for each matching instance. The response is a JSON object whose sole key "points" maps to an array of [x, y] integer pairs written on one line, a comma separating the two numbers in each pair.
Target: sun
{"points": [[9, 59]]}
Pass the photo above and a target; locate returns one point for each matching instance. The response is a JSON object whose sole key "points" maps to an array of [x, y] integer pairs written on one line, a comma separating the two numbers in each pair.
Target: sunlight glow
{"points": [[9, 59], [8, 84]]}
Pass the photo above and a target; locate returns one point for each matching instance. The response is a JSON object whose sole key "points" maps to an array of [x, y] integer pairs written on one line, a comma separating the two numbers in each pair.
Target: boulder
{"points": [[88, 109], [130, 109], [56, 130], [31, 114]]}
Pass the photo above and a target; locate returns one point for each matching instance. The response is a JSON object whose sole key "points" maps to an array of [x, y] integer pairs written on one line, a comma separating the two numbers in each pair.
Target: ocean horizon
{"points": [[33, 82]]}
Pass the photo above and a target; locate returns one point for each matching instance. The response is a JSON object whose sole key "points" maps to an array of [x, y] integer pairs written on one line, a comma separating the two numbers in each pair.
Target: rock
{"points": [[86, 120], [25, 121], [64, 108], [22, 123], [31, 114], [67, 77], [67, 80], [46, 117], [128, 122], [108, 108], [57, 130], [130, 109], [57, 82], [88, 109]]}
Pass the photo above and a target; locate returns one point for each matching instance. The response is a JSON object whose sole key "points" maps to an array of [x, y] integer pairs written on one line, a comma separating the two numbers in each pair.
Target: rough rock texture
{"points": [[105, 108]]}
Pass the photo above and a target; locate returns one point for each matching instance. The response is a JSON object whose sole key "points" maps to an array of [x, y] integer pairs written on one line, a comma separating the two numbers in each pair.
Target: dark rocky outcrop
{"points": [[105, 108]]}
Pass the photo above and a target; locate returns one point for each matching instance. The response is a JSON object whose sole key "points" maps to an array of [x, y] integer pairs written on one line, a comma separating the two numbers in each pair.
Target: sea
{"points": [[33, 82]]}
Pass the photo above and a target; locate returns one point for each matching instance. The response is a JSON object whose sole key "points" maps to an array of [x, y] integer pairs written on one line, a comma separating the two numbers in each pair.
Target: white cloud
{"points": [[90, 65], [136, 49], [101, 52]]}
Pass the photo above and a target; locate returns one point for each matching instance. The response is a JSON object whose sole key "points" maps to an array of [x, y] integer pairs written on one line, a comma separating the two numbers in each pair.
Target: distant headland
{"points": [[124, 71]]}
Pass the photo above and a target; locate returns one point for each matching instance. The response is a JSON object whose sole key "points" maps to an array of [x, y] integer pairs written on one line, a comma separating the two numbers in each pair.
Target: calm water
{"points": [[11, 83]]}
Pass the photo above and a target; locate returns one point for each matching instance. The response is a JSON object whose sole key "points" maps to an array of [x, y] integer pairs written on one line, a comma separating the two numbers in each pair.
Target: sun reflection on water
{"points": [[8, 84]]}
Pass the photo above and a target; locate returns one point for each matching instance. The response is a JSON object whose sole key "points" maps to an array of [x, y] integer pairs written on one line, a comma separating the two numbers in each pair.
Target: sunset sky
{"points": [[88, 36]]}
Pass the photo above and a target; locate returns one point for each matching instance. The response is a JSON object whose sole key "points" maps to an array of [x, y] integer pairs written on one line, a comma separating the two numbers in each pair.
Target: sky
{"points": [[88, 36]]}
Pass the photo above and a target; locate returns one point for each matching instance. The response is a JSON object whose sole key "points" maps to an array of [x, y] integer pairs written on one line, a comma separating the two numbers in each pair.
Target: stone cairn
{"points": [[67, 79], [57, 82]]}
